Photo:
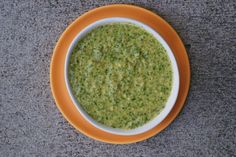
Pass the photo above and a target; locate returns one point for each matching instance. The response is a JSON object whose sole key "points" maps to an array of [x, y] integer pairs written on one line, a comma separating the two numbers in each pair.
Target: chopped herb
{"points": [[121, 75]]}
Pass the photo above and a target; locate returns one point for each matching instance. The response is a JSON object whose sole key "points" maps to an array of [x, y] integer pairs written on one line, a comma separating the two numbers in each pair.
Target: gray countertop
{"points": [[31, 124]]}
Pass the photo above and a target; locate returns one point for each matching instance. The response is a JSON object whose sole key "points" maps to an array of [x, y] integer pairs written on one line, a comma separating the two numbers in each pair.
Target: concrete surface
{"points": [[30, 123]]}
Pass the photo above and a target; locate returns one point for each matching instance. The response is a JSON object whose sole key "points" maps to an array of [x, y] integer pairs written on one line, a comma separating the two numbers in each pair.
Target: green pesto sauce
{"points": [[121, 75]]}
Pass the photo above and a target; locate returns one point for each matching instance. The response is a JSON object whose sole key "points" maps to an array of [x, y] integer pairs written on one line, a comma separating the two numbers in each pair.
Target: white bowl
{"points": [[175, 84]]}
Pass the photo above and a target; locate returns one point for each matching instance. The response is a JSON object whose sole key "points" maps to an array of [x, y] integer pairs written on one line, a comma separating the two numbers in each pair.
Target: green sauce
{"points": [[121, 75]]}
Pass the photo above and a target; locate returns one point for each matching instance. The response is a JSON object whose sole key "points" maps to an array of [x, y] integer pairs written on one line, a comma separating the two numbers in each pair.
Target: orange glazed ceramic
{"points": [[57, 81]]}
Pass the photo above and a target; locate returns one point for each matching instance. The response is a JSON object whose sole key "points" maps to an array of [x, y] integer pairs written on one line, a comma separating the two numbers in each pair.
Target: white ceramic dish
{"points": [[175, 85]]}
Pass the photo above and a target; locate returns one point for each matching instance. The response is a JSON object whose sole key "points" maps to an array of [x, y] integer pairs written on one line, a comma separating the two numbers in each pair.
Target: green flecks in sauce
{"points": [[121, 75]]}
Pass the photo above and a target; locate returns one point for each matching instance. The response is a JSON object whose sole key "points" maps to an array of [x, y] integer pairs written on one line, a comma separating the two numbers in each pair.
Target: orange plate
{"points": [[57, 81]]}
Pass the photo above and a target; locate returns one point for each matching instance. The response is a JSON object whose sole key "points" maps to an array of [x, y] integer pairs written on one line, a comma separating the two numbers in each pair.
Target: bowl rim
{"points": [[175, 81]]}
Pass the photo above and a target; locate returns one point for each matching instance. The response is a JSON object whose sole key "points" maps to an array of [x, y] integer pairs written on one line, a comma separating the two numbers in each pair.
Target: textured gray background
{"points": [[30, 123]]}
